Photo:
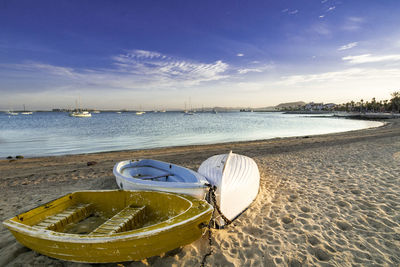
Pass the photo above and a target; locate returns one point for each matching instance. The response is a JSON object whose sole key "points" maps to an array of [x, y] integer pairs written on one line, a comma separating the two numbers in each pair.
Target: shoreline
{"points": [[384, 122], [331, 199]]}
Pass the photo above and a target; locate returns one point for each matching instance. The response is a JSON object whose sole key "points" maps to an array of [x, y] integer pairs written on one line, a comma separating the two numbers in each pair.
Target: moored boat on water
{"points": [[81, 114], [111, 226], [26, 112], [148, 174], [12, 113]]}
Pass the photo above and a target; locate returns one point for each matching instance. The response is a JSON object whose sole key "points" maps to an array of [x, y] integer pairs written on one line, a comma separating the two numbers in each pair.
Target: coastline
{"points": [[50, 143], [324, 199]]}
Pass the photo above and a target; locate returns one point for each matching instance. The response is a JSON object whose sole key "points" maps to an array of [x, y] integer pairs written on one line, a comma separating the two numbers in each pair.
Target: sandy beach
{"points": [[327, 200]]}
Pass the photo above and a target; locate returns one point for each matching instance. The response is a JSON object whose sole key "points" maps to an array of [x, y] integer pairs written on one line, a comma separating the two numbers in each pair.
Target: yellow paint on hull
{"points": [[170, 221]]}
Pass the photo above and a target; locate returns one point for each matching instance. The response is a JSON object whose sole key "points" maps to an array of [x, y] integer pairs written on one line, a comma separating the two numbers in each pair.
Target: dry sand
{"points": [[328, 200]]}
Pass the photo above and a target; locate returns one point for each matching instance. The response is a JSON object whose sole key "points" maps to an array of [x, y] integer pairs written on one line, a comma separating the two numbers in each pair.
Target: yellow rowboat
{"points": [[112, 225]]}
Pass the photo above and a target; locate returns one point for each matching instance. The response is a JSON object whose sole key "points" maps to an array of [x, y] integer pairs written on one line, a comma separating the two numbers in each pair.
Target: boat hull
{"points": [[81, 115], [179, 229], [180, 180], [237, 181]]}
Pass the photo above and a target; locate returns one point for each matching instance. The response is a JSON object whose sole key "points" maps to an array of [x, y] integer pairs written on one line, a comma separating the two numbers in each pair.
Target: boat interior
{"points": [[155, 174], [103, 212]]}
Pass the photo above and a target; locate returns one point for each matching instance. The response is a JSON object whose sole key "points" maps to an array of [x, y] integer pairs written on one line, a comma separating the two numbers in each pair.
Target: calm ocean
{"points": [[55, 133]]}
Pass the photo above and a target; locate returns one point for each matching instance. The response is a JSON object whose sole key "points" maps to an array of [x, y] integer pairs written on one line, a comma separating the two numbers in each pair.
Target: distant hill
{"points": [[290, 104]]}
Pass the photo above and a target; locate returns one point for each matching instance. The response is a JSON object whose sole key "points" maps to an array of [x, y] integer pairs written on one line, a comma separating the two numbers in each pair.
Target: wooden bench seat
{"points": [[125, 220], [72, 214]]}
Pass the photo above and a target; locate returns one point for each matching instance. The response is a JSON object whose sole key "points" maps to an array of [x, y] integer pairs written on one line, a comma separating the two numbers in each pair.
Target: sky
{"points": [[167, 54]]}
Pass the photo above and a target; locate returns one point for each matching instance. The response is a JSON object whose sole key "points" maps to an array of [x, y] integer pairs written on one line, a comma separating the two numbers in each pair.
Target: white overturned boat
{"points": [[148, 174], [237, 182]]}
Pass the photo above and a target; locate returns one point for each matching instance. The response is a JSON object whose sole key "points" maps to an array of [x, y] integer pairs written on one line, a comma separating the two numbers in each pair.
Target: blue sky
{"points": [[160, 54]]}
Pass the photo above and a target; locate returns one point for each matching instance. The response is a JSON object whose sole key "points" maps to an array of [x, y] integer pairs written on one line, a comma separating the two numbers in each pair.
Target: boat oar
{"points": [[155, 177]]}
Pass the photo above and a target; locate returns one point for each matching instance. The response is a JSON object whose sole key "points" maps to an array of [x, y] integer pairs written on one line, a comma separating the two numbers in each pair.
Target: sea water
{"points": [[56, 133]]}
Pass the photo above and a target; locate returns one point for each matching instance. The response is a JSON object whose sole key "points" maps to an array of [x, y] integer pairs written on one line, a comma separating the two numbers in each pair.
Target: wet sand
{"points": [[327, 200]]}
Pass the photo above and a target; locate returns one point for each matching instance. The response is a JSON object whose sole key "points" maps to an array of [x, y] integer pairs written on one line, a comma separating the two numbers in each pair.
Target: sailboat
{"points": [[12, 113], [140, 112], [188, 112], [80, 113], [26, 112]]}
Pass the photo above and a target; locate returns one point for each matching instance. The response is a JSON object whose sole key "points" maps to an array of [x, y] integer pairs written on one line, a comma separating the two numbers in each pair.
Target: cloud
{"points": [[321, 29], [154, 69], [355, 74], [156, 66], [331, 8], [135, 69], [143, 54], [356, 19], [348, 46], [324, 1], [240, 55], [353, 23], [257, 68], [322, 16], [368, 58], [244, 71], [290, 12]]}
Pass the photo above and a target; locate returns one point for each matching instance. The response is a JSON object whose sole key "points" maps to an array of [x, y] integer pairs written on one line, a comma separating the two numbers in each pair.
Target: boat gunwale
{"points": [[128, 235], [186, 185]]}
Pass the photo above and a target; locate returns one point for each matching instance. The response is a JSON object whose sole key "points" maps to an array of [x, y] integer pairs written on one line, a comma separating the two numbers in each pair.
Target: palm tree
{"points": [[352, 105], [395, 101], [385, 104], [373, 104]]}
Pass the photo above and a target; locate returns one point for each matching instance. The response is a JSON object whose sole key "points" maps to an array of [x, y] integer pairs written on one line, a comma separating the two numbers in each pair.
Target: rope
{"points": [[214, 200], [211, 194], [210, 251]]}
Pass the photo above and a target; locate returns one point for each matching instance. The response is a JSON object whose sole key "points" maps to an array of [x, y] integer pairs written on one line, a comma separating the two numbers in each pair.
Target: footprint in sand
{"points": [[343, 204], [329, 248], [305, 209], [313, 240], [322, 255], [287, 219], [295, 263], [225, 245], [356, 191], [396, 156], [274, 224], [343, 225]]}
